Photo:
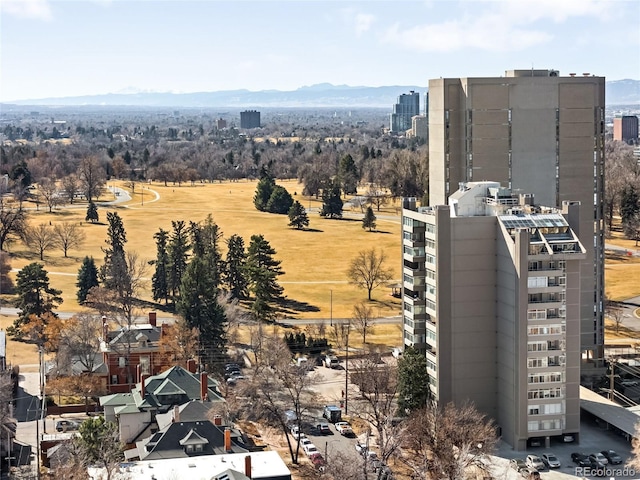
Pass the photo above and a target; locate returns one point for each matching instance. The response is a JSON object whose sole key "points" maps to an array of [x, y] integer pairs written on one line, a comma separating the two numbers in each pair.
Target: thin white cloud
{"points": [[557, 11], [503, 26], [363, 22], [485, 34], [36, 9], [359, 21]]}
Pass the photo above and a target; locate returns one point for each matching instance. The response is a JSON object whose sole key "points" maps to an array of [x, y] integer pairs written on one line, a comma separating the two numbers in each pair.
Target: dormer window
{"points": [[193, 443], [142, 340]]}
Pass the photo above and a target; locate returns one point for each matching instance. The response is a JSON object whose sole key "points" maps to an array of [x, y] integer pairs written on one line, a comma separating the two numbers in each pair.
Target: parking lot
{"points": [[592, 439]]}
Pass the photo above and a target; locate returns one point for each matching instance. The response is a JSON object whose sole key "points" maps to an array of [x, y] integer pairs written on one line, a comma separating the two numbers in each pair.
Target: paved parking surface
{"points": [[592, 439]]}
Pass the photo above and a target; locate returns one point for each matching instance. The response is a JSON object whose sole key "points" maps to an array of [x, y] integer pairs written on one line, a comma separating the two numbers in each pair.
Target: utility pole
{"points": [[346, 370], [612, 362], [331, 308]]}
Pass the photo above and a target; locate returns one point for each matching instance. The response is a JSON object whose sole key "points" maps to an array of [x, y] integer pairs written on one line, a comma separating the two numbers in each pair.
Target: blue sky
{"points": [[57, 48]]}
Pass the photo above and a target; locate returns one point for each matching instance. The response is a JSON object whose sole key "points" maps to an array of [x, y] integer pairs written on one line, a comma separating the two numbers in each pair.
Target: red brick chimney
{"points": [[217, 420], [191, 365], [176, 414], [227, 440], [247, 466], [204, 386], [152, 319]]}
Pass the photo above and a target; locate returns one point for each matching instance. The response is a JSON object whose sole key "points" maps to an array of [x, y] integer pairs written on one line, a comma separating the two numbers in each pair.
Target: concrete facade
{"points": [[625, 129], [250, 119], [407, 107], [532, 131], [491, 295]]}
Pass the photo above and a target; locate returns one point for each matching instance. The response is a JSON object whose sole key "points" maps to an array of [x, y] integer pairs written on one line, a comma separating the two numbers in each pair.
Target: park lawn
{"points": [[19, 353], [314, 261], [622, 276]]}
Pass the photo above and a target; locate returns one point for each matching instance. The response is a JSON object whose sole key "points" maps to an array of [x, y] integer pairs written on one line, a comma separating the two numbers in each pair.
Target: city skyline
{"points": [[60, 48]]}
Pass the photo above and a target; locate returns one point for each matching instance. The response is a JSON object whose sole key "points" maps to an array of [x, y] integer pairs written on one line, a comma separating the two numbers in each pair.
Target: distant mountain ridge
{"points": [[619, 92]]}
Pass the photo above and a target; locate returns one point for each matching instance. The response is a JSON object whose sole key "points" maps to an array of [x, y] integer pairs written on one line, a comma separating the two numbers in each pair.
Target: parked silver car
{"points": [[551, 460]]}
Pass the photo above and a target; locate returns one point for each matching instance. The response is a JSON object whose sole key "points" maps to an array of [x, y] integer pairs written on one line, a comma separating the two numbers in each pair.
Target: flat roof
{"points": [[612, 413], [267, 464]]}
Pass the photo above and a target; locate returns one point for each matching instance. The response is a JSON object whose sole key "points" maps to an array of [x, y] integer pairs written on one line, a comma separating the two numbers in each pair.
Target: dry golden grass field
{"points": [[314, 261]]}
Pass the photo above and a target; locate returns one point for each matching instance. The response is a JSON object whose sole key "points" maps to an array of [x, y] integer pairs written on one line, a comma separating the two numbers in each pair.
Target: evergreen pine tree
{"points": [[280, 200], [263, 191], [298, 216], [263, 271], [369, 220], [178, 255], [35, 296], [159, 281], [348, 174], [413, 382], [114, 270], [331, 201], [92, 213], [198, 305], [235, 267], [87, 278], [629, 203]]}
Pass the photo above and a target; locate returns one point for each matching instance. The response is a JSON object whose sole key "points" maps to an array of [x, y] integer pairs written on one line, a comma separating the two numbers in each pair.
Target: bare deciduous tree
{"points": [[339, 333], [279, 385], [179, 343], [378, 385], [12, 223], [92, 177], [40, 238], [81, 339], [68, 235], [362, 317], [367, 270], [50, 192], [615, 312], [70, 187], [447, 441]]}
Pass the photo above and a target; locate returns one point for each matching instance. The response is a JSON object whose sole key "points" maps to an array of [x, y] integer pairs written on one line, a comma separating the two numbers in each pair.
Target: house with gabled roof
{"points": [[132, 351], [136, 411], [186, 432]]}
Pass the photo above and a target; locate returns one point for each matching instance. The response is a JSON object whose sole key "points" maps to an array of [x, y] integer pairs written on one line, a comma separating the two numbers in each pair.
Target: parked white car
{"points": [[534, 461], [310, 449], [343, 428]]}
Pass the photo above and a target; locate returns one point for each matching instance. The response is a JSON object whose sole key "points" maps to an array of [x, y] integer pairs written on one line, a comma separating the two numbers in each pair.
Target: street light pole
{"points": [[331, 308]]}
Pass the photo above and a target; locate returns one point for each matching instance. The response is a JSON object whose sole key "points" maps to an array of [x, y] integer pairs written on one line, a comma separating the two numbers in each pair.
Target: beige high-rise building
{"points": [[533, 131], [491, 294]]}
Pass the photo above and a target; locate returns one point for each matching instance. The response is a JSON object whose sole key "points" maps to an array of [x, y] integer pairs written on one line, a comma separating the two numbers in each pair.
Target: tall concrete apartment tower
{"points": [[250, 119], [625, 129], [408, 106], [491, 294], [533, 131]]}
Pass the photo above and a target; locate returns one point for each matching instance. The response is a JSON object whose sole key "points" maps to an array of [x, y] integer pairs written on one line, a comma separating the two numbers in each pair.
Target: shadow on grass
{"points": [[154, 306], [385, 303], [290, 306], [65, 212]]}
